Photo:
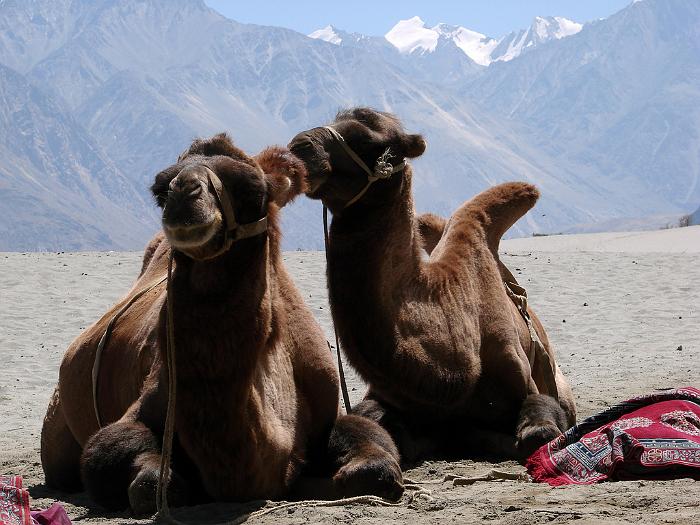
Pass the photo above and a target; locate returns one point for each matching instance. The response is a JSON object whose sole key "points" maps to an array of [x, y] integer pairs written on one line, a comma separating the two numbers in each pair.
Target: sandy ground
{"points": [[621, 309]]}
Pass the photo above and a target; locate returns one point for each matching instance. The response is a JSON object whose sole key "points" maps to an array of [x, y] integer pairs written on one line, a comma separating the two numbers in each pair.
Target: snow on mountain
{"points": [[412, 36], [542, 30], [409, 36], [327, 34], [622, 98]]}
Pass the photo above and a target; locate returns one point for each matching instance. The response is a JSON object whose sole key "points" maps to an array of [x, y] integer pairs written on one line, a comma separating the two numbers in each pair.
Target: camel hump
{"points": [[499, 207]]}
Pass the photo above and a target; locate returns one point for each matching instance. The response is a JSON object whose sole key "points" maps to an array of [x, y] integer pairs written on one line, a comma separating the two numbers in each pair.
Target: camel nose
{"points": [[188, 184]]}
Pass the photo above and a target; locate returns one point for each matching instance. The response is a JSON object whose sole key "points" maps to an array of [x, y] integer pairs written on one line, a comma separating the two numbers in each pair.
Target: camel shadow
{"points": [[205, 514]]}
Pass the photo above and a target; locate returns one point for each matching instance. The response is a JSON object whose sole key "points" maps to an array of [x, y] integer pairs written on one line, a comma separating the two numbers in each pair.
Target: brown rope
{"points": [[164, 476], [341, 372]]}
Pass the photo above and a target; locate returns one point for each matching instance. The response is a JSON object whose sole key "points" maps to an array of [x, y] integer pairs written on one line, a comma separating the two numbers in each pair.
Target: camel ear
{"points": [[414, 145], [285, 174]]}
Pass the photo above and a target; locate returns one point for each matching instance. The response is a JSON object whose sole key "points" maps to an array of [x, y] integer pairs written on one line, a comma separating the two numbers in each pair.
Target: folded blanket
{"points": [[54, 515], [656, 436], [14, 502]]}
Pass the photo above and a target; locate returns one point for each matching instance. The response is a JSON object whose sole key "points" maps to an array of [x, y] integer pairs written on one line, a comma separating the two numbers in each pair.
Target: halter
{"points": [[383, 169], [232, 230]]}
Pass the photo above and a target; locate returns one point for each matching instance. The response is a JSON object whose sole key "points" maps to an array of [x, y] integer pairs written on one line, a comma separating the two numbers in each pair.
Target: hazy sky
{"points": [[375, 17]]}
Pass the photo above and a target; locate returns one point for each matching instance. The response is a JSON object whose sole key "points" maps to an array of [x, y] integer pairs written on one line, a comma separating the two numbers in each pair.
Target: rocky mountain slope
{"points": [[97, 96]]}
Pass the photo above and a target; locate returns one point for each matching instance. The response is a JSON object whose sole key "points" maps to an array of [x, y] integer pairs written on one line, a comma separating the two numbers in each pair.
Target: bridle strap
{"points": [[381, 170], [232, 230], [354, 156]]}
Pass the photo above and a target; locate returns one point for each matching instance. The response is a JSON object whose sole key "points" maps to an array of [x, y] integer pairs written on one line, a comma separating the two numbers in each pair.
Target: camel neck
{"points": [[223, 311], [373, 258], [377, 244]]}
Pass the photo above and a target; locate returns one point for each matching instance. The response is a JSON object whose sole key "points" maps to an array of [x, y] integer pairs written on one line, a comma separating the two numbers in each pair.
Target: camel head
{"points": [[334, 175], [215, 194]]}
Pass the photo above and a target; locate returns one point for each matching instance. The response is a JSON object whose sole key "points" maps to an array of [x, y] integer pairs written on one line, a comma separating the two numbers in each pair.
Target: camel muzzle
{"points": [[186, 190]]}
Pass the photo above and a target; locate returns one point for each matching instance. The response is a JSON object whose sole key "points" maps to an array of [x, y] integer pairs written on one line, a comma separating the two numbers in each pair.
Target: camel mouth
{"points": [[187, 236]]}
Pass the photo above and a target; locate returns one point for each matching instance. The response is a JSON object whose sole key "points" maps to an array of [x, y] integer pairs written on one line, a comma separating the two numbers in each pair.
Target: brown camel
{"points": [[445, 351], [257, 390]]}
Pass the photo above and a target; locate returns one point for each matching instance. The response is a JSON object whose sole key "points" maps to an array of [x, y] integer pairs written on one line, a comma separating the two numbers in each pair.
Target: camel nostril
{"points": [[185, 187], [197, 190]]}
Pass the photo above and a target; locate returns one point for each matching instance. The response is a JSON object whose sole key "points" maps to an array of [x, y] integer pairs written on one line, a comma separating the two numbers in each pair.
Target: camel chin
{"points": [[191, 236]]}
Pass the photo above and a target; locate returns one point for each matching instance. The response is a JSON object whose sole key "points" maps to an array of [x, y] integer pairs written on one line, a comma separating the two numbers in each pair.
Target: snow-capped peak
{"points": [[556, 27], [543, 29], [476, 46], [411, 35], [327, 34]]}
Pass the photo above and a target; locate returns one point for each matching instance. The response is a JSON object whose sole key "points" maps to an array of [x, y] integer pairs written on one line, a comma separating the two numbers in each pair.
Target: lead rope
{"points": [[166, 453], [341, 372]]}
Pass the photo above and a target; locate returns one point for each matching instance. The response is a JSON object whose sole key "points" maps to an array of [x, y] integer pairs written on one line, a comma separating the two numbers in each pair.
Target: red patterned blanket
{"points": [[14, 502], [656, 436]]}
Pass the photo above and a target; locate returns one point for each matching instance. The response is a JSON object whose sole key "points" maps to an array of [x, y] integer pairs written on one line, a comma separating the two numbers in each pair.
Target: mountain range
{"points": [[96, 96]]}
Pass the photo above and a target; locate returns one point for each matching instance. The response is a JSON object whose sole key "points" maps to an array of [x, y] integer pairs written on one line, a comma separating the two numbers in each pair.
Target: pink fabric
{"points": [[649, 437], [54, 515], [14, 502]]}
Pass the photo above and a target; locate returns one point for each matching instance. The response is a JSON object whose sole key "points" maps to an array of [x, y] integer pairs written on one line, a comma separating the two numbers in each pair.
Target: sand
{"points": [[621, 309]]}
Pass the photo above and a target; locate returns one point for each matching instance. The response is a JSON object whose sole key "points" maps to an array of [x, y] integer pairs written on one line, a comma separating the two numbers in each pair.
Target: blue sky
{"points": [[375, 17]]}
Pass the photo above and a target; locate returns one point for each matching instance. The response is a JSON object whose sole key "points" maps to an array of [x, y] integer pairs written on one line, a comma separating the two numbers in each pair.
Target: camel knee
{"points": [[541, 419], [112, 459], [366, 459]]}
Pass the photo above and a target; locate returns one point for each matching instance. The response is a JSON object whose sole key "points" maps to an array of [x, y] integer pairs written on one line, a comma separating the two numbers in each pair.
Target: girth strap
{"points": [[538, 356]]}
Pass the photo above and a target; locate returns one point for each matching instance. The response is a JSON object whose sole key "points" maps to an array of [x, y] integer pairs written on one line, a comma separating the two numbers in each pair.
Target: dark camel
{"points": [[257, 401], [440, 343]]}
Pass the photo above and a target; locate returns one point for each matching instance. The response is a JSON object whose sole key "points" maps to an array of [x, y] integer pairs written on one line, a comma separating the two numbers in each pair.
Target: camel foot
{"points": [[366, 457], [532, 438], [380, 476], [541, 420], [142, 492]]}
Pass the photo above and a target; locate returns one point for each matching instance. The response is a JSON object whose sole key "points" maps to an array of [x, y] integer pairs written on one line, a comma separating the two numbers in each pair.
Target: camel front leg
{"points": [[120, 464]]}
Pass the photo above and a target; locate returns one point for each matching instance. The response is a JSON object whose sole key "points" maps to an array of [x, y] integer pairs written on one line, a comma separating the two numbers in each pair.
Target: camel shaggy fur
{"points": [[440, 343], [257, 400]]}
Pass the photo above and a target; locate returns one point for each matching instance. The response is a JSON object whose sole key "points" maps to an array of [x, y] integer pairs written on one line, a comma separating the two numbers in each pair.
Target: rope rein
{"points": [[167, 448], [383, 169], [341, 372]]}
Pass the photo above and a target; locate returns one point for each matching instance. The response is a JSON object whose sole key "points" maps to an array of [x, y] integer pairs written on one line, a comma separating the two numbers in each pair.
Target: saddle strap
{"points": [[538, 356], [105, 337]]}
